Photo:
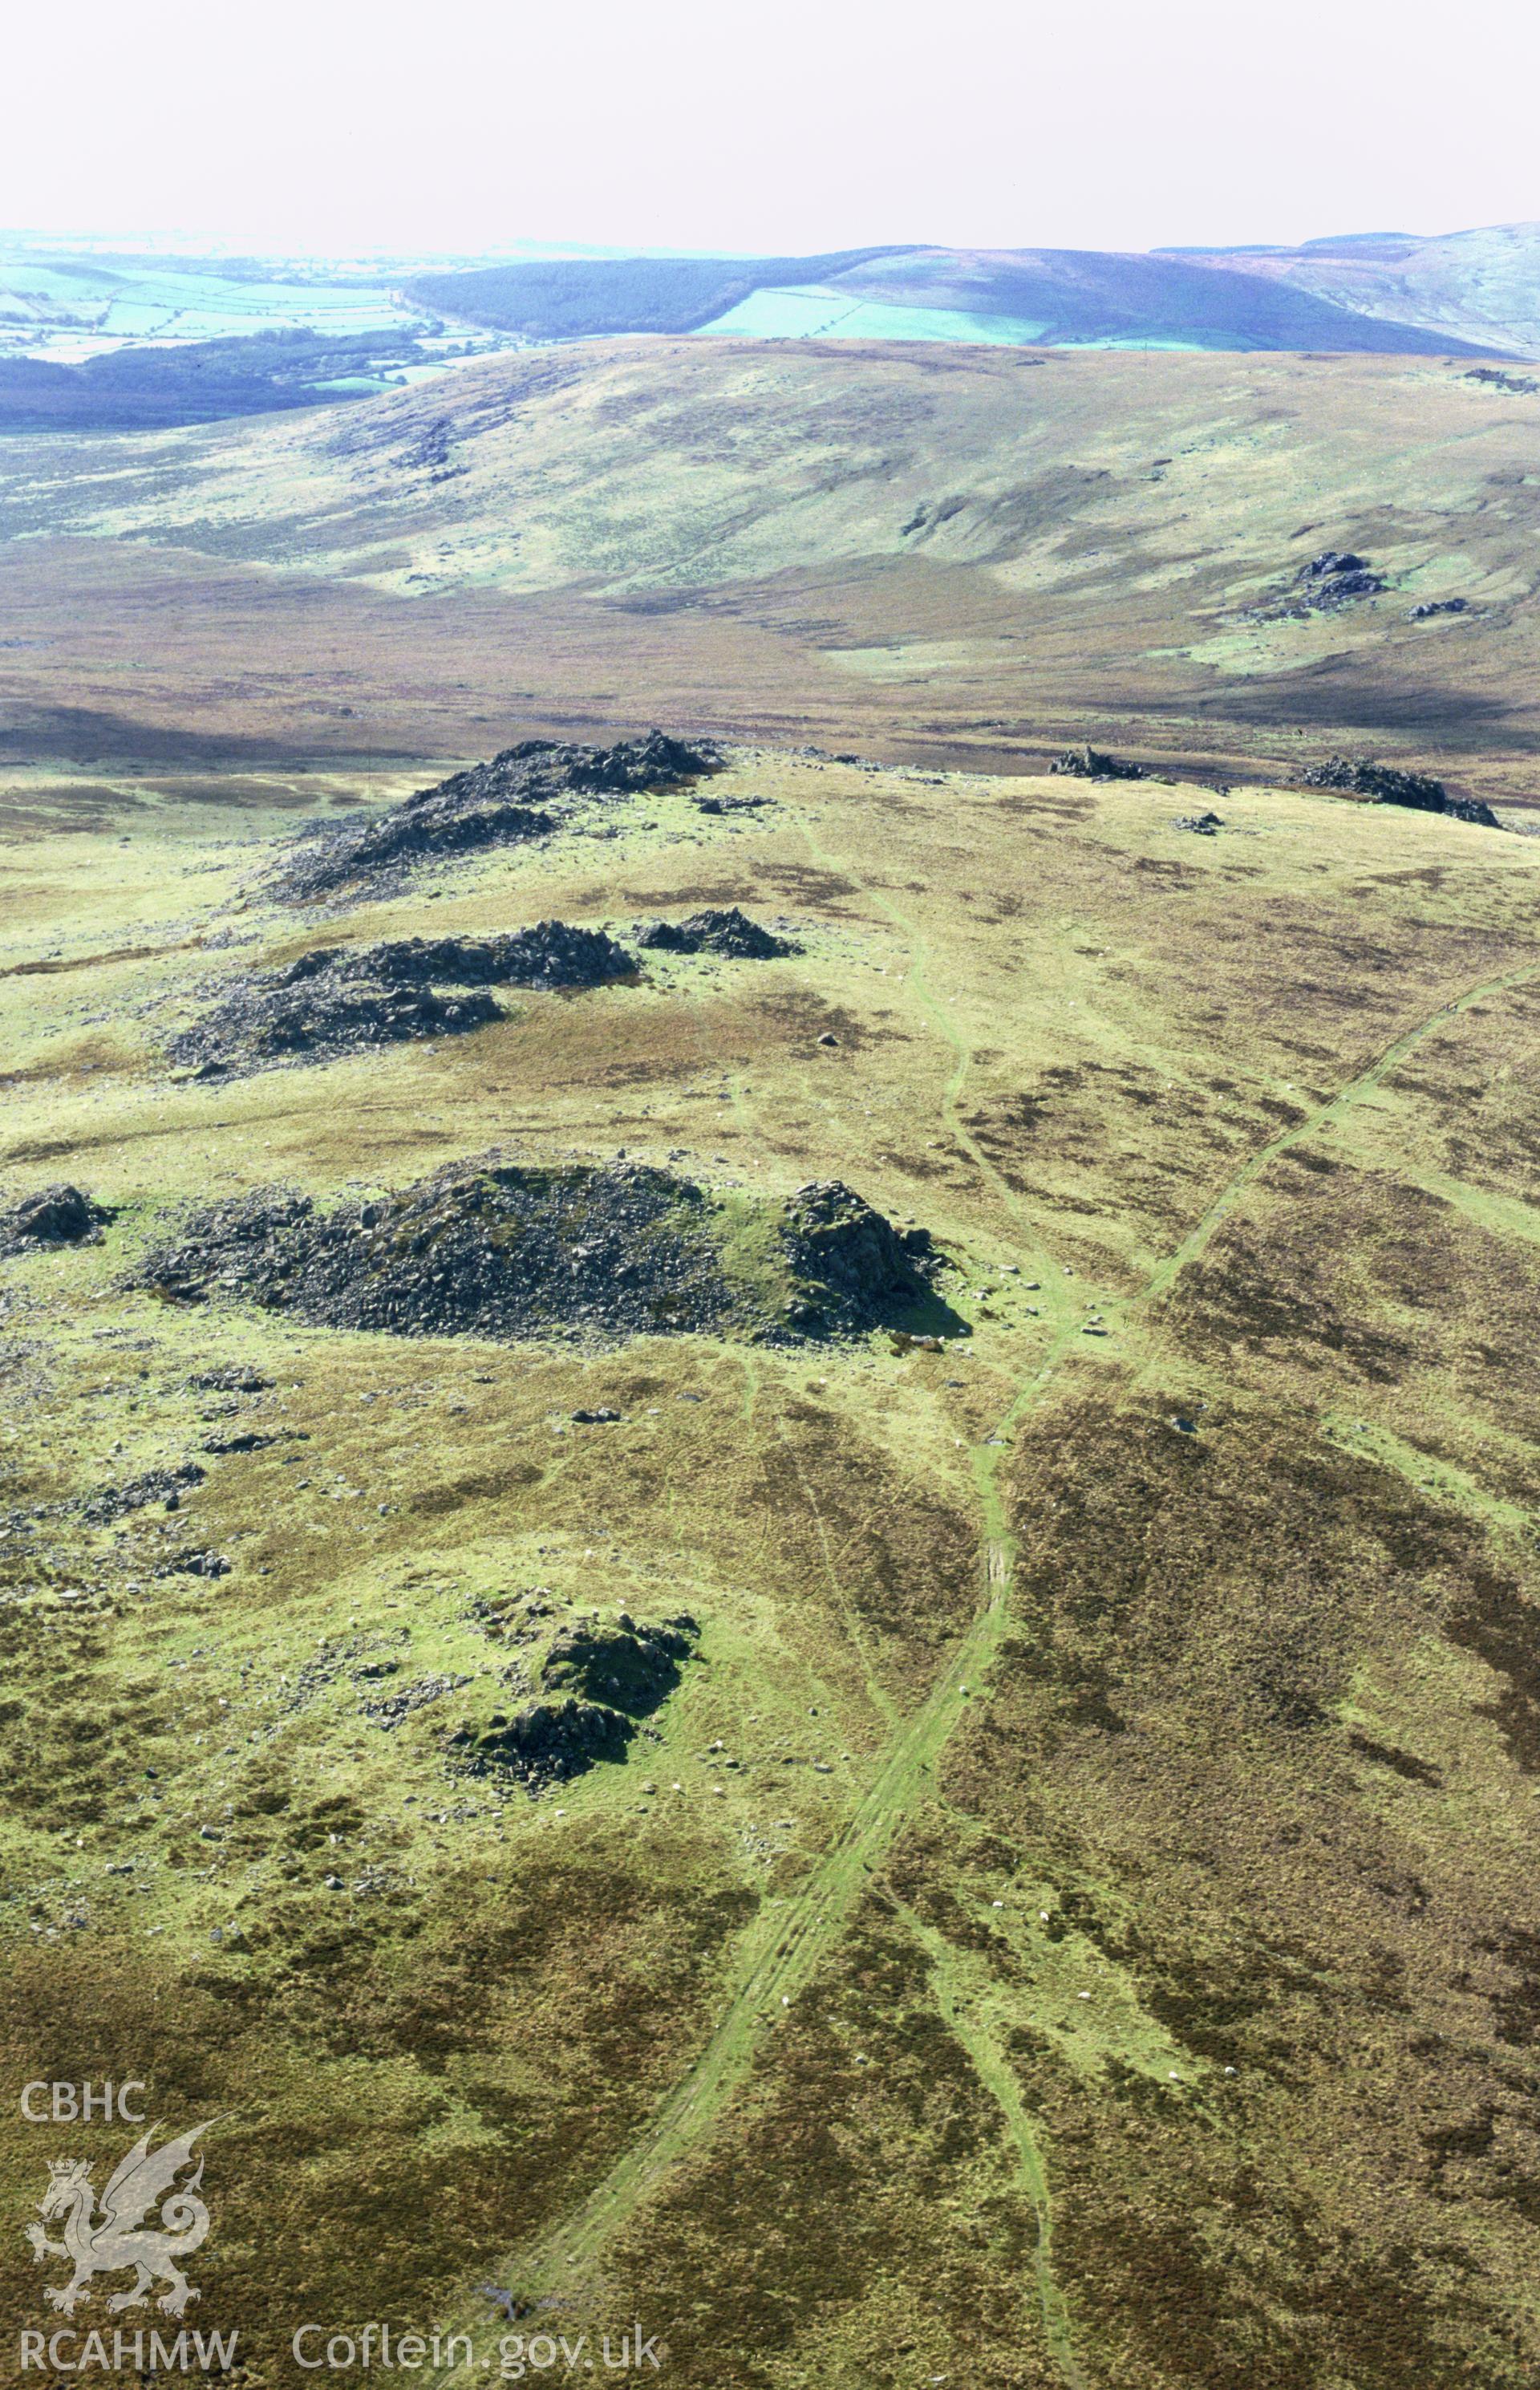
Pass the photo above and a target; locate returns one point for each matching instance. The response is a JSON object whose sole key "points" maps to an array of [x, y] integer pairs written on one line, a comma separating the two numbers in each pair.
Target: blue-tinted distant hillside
{"points": [[1087, 296], [567, 299]]}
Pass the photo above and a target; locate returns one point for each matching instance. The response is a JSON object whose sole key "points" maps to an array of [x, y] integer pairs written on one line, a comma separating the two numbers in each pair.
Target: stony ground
{"points": [[989, 1837]]}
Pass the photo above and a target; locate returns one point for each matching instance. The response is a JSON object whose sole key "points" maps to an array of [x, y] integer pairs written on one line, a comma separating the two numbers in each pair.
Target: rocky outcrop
{"points": [[521, 794], [545, 1743], [730, 933], [346, 999], [713, 805], [1093, 764], [260, 1024], [485, 1249], [505, 1250], [597, 1685], [57, 1215], [629, 1667], [851, 1264], [1385, 784], [552, 954], [231, 1377], [1335, 579], [163, 1486]]}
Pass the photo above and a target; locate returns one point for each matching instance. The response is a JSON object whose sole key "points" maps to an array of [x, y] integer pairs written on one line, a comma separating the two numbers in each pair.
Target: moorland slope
{"points": [[931, 1776], [1481, 285], [915, 550]]}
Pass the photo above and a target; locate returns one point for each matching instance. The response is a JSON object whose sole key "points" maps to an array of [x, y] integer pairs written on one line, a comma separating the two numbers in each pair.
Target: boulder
{"points": [[1093, 764], [631, 1668], [730, 933], [58, 1215]]}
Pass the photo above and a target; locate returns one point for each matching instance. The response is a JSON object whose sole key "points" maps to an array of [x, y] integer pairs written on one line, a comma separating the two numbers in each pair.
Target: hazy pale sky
{"points": [[345, 124]]}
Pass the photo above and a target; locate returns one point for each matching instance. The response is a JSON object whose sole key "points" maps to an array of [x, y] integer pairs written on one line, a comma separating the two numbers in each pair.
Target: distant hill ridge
{"points": [[571, 298], [90, 343], [1052, 296], [1482, 286]]}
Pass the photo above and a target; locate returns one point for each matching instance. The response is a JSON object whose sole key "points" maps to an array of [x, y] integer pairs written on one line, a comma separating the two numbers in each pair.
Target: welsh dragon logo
{"points": [[119, 2237]]}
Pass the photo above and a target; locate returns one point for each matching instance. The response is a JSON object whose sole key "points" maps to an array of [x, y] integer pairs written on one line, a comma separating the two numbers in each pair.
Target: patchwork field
{"points": [[970, 1819]]}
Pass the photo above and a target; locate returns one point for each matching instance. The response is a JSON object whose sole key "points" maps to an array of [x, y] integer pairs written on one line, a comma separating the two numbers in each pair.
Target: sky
{"points": [[329, 126]]}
